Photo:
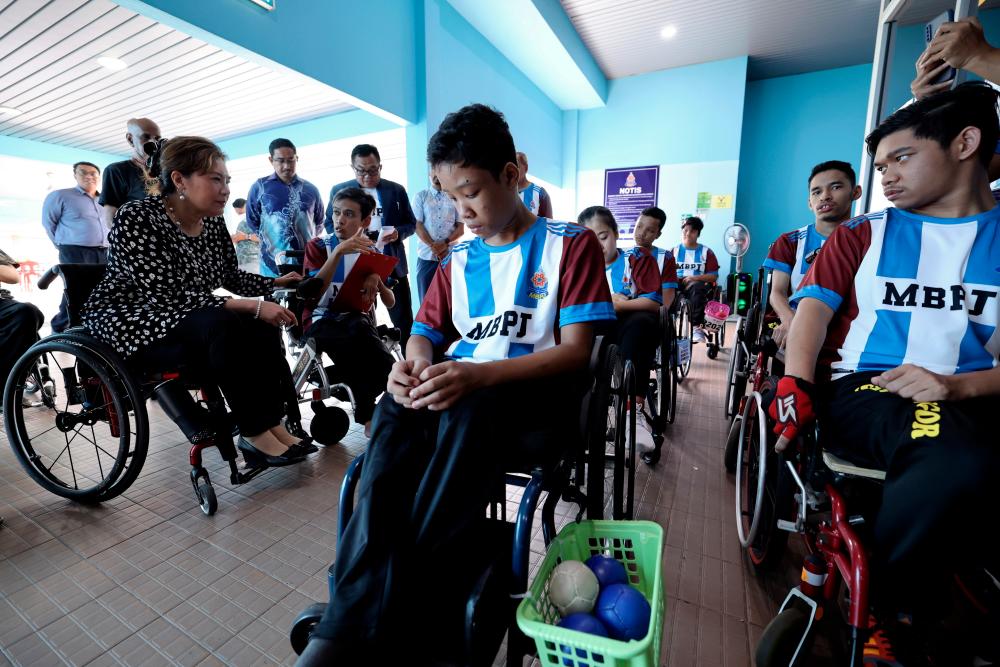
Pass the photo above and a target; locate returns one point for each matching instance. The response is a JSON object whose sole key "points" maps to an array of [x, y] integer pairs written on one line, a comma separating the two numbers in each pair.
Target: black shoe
{"points": [[303, 448], [258, 459]]}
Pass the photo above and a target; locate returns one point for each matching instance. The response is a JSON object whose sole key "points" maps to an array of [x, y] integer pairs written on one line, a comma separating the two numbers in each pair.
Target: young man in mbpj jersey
{"points": [[897, 326], [349, 337], [648, 227], [832, 189], [697, 270], [499, 350]]}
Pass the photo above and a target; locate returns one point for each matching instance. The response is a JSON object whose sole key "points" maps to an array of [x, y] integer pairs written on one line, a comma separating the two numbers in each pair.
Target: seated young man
{"points": [[697, 271], [832, 189], [350, 338], [19, 322], [499, 349], [648, 228], [896, 325]]}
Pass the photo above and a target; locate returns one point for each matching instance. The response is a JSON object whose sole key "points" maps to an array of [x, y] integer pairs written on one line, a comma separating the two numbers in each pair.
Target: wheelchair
{"points": [[496, 576], [313, 381], [661, 391], [88, 440], [715, 337], [749, 329]]}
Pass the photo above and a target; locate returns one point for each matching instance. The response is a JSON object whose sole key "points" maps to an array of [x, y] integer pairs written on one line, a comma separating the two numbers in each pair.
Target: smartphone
{"points": [[930, 30]]}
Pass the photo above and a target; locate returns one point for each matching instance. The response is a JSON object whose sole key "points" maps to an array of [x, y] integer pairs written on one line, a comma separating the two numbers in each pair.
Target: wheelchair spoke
{"points": [[96, 452], [69, 454]]}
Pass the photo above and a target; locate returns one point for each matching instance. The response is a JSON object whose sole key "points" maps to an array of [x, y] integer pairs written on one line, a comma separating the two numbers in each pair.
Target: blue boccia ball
{"points": [[608, 570], [581, 623], [623, 611]]}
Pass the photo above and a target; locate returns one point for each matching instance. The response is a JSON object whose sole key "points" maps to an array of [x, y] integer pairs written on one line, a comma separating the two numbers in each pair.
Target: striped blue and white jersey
{"points": [[488, 303], [794, 252], [668, 267], [317, 250], [634, 273], [909, 289], [537, 200], [695, 261]]}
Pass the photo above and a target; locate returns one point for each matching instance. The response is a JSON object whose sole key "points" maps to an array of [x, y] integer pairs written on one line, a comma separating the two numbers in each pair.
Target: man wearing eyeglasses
{"points": [[283, 210], [392, 211]]}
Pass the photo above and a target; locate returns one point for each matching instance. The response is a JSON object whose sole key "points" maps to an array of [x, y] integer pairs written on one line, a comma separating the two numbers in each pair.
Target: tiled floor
{"points": [[146, 579]]}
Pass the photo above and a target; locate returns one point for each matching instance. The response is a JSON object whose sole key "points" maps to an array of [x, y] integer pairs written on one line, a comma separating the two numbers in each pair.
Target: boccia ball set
{"points": [[596, 598]]}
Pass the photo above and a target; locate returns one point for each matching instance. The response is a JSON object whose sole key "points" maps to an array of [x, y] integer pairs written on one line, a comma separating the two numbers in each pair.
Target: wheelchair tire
{"points": [[92, 377], [733, 444], [736, 377], [782, 638], [206, 497], [684, 331], [303, 626], [712, 351], [623, 458], [329, 425]]}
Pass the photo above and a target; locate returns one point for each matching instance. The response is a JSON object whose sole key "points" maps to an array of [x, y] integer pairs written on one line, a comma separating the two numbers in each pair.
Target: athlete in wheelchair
{"points": [[459, 411], [697, 278], [892, 398], [153, 327]]}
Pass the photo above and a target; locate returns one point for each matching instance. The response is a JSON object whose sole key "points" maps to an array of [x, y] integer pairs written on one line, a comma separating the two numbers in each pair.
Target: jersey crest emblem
{"points": [[811, 257], [539, 288]]}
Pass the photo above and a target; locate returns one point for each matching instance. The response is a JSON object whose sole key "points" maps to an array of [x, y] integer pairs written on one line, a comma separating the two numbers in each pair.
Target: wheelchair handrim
{"points": [[747, 536]]}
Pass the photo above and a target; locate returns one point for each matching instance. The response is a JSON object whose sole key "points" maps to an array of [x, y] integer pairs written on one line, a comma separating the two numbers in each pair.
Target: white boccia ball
{"points": [[573, 588]]}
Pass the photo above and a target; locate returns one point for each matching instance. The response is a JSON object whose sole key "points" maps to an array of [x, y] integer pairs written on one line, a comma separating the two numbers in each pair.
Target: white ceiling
{"points": [[48, 70], [782, 37]]}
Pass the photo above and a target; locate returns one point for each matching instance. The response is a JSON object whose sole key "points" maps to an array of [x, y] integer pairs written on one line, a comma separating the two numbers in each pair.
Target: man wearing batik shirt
{"points": [[499, 350], [533, 195], [19, 322], [832, 190], [283, 210], [438, 229], [897, 326]]}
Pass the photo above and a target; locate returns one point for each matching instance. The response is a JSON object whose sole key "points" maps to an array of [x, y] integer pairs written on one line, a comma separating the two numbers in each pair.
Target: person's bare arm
{"points": [[805, 339], [9, 275], [109, 214], [636, 305], [457, 234], [423, 234], [669, 293]]}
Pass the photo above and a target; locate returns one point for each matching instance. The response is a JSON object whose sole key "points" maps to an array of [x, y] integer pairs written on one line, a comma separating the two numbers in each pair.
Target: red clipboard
{"points": [[349, 298]]}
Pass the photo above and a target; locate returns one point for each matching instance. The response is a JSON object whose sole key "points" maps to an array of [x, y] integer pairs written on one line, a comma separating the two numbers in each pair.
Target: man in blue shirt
{"points": [[282, 209], [73, 220], [438, 228], [392, 209]]}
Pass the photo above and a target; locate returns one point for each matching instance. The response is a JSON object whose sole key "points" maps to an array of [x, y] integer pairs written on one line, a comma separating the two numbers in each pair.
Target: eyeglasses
{"points": [[284, 160], [367, 172]]}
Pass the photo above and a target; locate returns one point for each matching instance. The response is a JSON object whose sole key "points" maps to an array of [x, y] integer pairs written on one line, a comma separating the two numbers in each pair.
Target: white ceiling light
{"points": [[111, 63], [10, 111], [668, 32]]}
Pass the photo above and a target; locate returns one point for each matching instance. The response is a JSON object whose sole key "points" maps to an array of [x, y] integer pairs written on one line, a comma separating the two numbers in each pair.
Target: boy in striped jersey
{"points": [[648, 228], [533, 195], [697, 271], [897, 322], [349, 338], [499, 351], [832, 189]]}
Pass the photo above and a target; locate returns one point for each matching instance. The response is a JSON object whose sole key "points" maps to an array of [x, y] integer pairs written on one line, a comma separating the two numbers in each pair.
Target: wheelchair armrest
{"points": [[309, 288], [295, 254], [385, 331], [48, 277]]}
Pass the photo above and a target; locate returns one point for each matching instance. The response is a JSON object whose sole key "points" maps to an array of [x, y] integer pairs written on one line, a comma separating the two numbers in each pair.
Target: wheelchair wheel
{"points": [[733, 444], [90, 443], [712, 351], [736, 378], [621, 460], [763, 489], [684, 333], [783, 640], [304, 625]]}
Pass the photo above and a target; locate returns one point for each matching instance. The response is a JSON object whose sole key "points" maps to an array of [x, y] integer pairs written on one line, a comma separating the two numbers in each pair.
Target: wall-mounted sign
{"points": [[627, 192], [266, 4]]}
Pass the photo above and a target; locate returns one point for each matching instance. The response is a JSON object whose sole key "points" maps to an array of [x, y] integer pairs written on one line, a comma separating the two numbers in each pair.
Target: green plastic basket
{"points": [[638, 545]]}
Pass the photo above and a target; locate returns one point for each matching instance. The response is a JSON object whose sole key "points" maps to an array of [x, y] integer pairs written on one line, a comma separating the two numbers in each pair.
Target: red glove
{"points": [[792, 407]]}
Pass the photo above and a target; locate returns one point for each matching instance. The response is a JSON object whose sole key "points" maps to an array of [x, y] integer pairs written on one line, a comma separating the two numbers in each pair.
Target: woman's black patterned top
{"points": [[157, 274]]}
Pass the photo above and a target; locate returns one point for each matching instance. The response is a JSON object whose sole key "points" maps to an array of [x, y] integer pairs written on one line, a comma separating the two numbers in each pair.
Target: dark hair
{"points": [[239, 203], [600, 212], [364, 150], [86, 164], [834, 165], [187, 155], [359, 197], [694, 221], [942, 116], [280, 143], [657, 213], [474, 136]]}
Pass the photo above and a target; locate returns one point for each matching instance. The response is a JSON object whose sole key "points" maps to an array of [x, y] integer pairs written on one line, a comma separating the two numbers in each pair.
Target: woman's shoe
{"points": [[303, 447], [258, 459]]}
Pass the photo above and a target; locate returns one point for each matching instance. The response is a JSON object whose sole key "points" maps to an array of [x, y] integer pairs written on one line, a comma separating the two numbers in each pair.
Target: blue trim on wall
{"points": [[327, 128], [39, 150]]}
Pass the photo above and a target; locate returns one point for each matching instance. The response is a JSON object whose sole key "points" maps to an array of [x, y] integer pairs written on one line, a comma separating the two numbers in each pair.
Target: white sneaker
{"points": [[698, 336], [643, 436]]}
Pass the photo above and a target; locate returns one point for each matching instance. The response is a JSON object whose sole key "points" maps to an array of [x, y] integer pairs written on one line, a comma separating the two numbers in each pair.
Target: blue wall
{"points": [[364, 49], [463, 67], [39, 150], [791, 124]]}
